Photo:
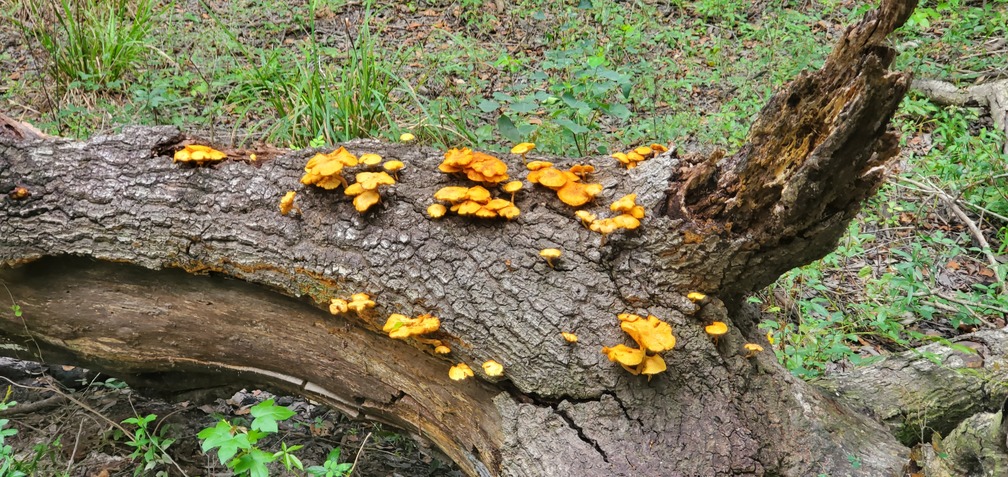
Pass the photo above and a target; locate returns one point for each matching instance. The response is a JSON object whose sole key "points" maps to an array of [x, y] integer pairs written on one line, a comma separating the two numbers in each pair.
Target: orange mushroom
{"points": [[460, 372], [401, 326]]}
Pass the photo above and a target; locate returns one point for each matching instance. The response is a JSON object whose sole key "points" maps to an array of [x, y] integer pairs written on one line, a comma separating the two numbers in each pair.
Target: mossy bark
{"points": [[124, 261]]}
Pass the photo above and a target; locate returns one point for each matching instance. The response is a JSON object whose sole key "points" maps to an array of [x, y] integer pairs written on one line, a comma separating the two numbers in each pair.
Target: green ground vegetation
{"points": [[578, 78]]}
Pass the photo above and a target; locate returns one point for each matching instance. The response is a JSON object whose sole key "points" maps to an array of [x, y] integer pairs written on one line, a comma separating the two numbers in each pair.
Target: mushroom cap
{"points": [[512, 187], [696, 296], [537, 165], [652, 334], [436, 211], [717, 328], [442, 349], [498, 204], [478, 194], [493, 368], [485, 213], [451, 193], [365, 200], [585, 216], [469, 207], [633, 156], [328, 167], [637, 212], [753, 347], [509, 212], [487, 168], [569, 337], [370, 159], [552, 178], [354, 189], [626, 221], [582, 169], [522, 148], [460, 371], [550, 253], [329, 182], [644, 151], [393, 166], [652, 365], [406, 137], [371, 180], [360, 301], [624, 355], [624, 204], [658, 148], [621, 156], [287, 202], [577, 193]]}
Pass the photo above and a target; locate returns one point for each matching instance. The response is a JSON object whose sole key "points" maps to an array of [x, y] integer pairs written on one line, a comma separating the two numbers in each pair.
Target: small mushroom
{"points": [[569, 337], [652, 365], [370, 159], [512, 187], [550, 254], [582, 170], [586, 217], [442, 349], [523, 149], [696, 297], [406, 137], [716, 329], [19, 193], [359, 302], [287, 203], [752, 349], [460, 372], [436, 211], [493, 368], [394, 167], [366, 200], [577, 194]]}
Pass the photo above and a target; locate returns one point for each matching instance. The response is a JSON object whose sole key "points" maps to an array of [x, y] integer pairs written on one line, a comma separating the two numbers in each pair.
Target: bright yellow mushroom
{"points": [[550, 254], [436, 211], [716, 329], [652, 334], [370, 159], [523, 149], [401, 326], [569, 337], [624, 355], [460, 372], [493, 368], [406, 137], [287, 203], [696, 296], [752, 349]]}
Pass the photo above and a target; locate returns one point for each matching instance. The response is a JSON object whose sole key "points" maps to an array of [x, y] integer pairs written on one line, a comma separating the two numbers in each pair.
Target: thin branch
{"points": [[359, 451], [985, 247]]}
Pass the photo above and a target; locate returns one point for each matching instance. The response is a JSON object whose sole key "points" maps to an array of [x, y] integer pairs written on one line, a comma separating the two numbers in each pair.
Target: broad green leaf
{"points": [[507, 128], [267, 414]]}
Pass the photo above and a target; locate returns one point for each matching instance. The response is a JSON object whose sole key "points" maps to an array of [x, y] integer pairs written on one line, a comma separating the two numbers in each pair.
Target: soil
{"points": [[71, 428]]}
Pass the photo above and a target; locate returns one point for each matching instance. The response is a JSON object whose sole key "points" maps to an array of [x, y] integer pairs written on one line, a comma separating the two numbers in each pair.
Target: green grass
{"points": [[91, 44]]}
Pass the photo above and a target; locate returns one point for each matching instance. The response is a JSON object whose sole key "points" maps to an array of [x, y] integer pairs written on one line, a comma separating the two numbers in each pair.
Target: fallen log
{"points": [[183, 278]]}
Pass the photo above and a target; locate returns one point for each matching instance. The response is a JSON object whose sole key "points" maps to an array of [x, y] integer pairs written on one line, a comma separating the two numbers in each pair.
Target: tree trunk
{"points": [[182, 278]]}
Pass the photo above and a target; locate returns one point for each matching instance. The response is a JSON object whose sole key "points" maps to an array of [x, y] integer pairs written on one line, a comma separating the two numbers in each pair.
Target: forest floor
{"points": [[925, 260]]}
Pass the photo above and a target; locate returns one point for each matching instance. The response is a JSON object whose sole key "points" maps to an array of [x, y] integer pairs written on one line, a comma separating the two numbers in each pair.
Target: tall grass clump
{"points": [[314, 102], [93, 44]]}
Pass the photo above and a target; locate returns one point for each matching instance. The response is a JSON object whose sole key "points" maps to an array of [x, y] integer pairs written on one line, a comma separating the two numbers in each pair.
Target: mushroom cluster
{"points": [[477, 166], [567, 184], [197, 154], [401, 327], [365, 189], [326, 170], [630, 159], [358, 302], [473, 201], [652, 335], [629, 216]]}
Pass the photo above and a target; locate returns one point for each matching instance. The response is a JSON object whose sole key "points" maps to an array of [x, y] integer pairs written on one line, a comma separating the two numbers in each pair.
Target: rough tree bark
{"points": [[181, 278]]}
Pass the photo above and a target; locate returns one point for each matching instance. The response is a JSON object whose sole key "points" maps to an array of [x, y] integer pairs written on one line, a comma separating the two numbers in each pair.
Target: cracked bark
{"points": [[180, 279]]}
